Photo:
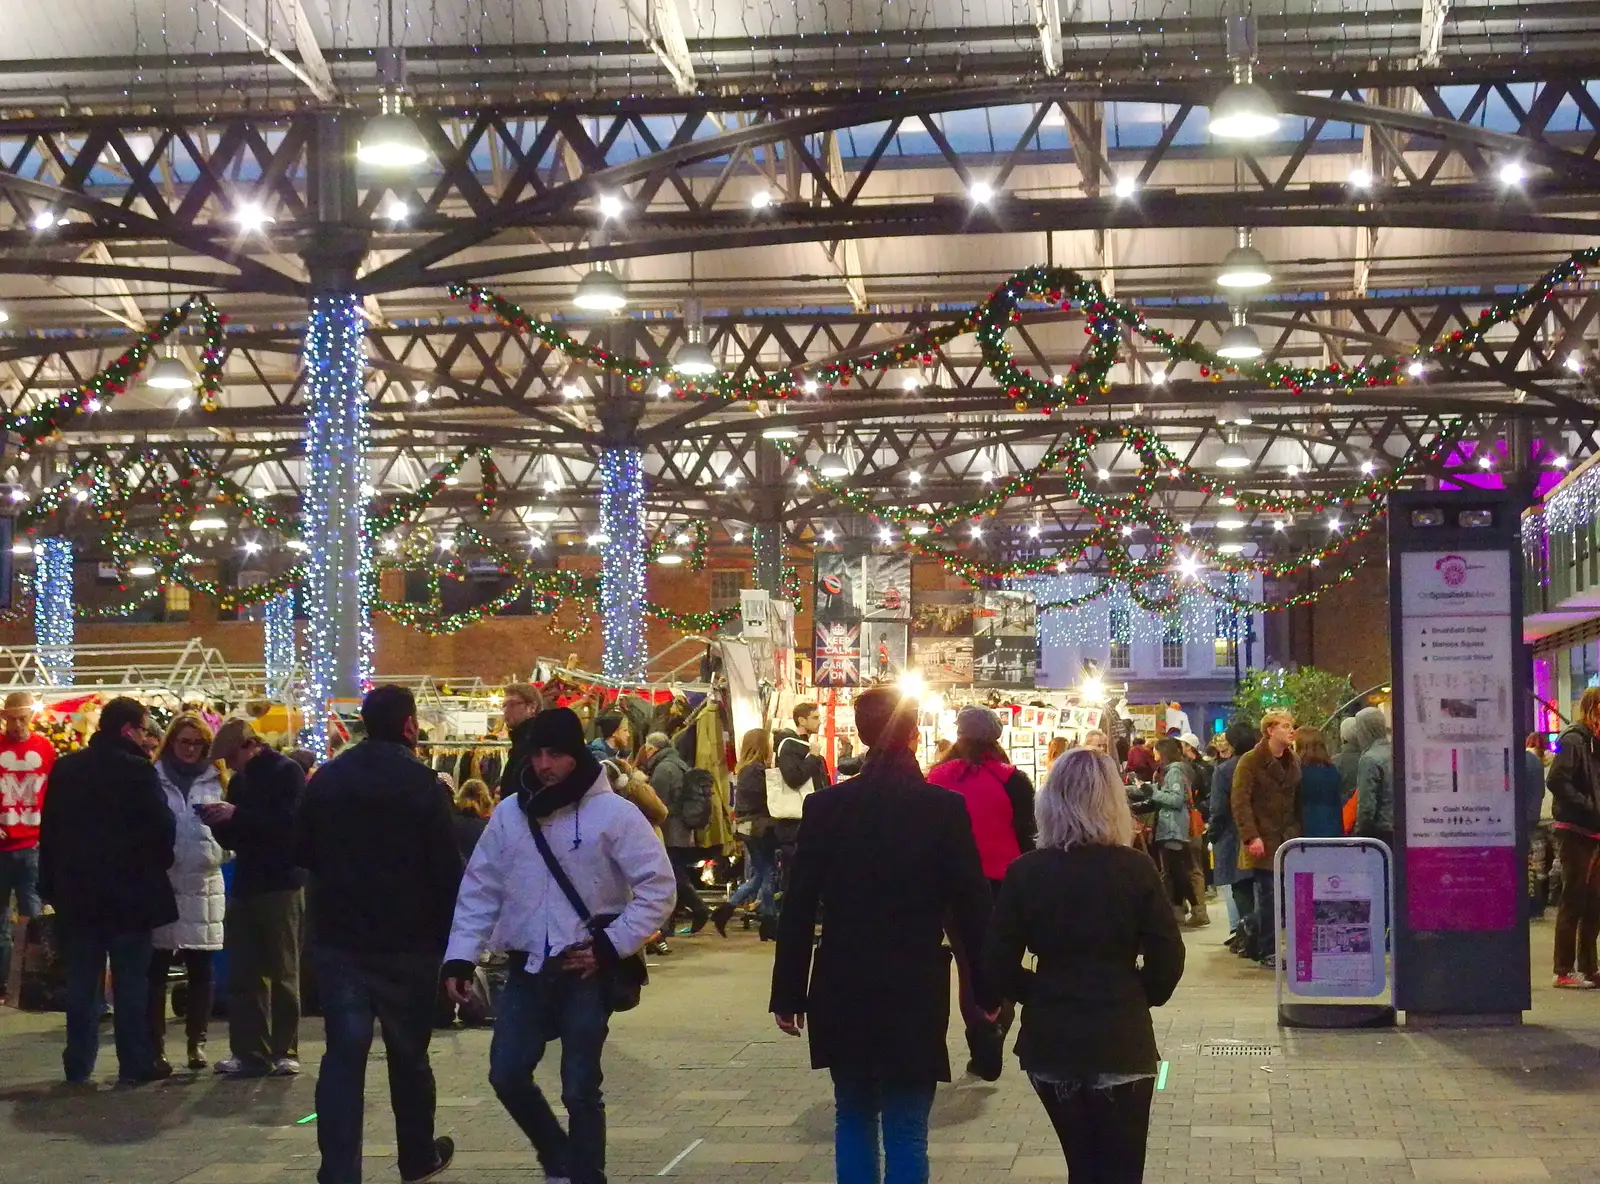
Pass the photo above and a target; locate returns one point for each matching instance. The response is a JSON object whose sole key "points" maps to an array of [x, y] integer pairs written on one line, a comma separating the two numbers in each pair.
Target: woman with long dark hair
{"points": [[1173, 837], [1087, 1043]]}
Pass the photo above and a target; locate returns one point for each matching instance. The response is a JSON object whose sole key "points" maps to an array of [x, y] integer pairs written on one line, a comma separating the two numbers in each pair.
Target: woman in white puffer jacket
{"points": [[189, 779]]}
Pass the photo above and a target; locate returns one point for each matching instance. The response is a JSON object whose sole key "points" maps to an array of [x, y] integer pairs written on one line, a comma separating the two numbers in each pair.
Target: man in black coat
{"points": [[105, 844], [266, 903], [888, 858], [376, 834]]}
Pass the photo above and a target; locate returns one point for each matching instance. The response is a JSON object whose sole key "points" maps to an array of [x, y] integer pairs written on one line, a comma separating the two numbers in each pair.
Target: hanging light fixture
{"points": [[694, 358], [1233, 455], [169, 373], [1239, 343], [1244, 266], [1243, 111], [600, 291], [833, 464], [390, 140], [1231, 414]]}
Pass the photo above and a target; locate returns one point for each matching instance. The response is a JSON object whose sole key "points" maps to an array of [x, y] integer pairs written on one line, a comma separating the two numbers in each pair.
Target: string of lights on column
{"points": [[338, 579], [622, 562], [279, 647], [52, 609]]}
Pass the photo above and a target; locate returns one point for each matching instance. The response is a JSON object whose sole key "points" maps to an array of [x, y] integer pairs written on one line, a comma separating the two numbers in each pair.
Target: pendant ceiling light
{"points": [[600, 291], [1243, 111], [1233, 455], [1239, 343], [1244, 266], [833, 464], [390, 140], [169, 374]]}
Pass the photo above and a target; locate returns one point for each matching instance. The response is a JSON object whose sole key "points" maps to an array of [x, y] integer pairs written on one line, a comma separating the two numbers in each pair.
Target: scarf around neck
{"points": [[541, 801], [183, 773]]}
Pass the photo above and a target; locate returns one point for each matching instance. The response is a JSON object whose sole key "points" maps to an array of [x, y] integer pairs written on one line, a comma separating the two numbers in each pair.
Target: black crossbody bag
{"points": [[624, 982]]}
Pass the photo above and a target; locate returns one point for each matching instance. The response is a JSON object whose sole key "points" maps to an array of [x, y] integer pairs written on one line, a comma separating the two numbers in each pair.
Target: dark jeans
{"points": [[534, 1010], [263, 943], [861, 1105], [1578, 912], [1181, 877], [1102, 1131], [683, 859], [19, 877], [196, 1012], [1266, 916], [396, 990], [85, 952]]}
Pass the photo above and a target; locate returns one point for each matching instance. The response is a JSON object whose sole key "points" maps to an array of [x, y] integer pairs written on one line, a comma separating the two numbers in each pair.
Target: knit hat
{"points": [[607, 724], [978, 723], [558, 729]]}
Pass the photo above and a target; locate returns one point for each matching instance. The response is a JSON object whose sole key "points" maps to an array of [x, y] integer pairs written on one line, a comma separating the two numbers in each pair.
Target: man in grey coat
{"points": [[667, 770], [1374, 776]]}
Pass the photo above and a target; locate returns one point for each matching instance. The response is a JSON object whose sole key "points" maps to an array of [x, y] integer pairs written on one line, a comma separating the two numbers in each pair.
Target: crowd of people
{"points": [[397, 889]]}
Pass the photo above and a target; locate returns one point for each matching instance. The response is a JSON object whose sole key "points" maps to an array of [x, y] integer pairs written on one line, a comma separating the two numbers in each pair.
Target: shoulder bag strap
{"points": [[558, 873]]}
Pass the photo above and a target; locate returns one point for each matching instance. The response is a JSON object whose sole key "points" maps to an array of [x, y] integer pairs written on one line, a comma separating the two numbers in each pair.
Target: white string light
{"points": [[52, 609]]}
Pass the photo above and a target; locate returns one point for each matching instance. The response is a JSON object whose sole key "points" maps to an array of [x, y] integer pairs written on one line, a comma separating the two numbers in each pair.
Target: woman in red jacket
{"points": [[999, 801]]}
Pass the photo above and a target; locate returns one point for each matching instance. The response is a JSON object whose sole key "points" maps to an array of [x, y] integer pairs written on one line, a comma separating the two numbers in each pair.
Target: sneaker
{"points": [[1573, 982], [234, 1067], [445, 1148], [285, 1067]]}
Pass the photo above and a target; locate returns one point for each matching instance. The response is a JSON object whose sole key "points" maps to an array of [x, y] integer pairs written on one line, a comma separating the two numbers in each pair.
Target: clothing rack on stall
{"points": [[465, 759]]}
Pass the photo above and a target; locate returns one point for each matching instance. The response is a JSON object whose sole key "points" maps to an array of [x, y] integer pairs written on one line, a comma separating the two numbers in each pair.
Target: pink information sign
{"points": [[1462, 888]]}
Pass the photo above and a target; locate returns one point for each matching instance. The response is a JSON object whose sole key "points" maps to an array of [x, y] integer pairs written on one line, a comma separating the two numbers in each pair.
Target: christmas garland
{"points": [[114, 379], [1037, 286]]}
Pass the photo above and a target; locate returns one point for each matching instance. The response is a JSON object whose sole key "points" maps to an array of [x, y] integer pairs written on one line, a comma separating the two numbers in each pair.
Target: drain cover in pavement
{"points": [[1230, 1049]]}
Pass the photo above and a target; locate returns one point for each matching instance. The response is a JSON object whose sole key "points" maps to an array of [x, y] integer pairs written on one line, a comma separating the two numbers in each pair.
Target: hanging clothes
{"points": [[711, 748]]}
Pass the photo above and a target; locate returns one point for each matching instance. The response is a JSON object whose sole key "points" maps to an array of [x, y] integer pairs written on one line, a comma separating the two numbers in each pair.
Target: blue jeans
{"points": [[396, 990], [763, 879], [534, 1010], [85, 952], [860, 1105], [19, 876], [1266, 917]]}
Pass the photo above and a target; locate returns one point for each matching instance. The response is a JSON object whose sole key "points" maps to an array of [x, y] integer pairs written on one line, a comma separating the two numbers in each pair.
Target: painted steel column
{"points": [[766, 533], [338, 583]]}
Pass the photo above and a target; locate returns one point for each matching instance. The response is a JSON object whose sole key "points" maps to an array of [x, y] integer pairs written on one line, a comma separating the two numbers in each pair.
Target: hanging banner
{"points": [[837, 660], [755, 612], [1005, 649], [941, 637]]}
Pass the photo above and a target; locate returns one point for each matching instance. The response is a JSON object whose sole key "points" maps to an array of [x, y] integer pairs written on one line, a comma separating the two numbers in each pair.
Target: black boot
{"points": [[987, 1052], [720, 916], [769, 929]]}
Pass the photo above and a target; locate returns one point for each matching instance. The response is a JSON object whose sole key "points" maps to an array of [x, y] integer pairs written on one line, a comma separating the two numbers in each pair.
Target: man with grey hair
{"points": [[681, 791], [266, 902]]}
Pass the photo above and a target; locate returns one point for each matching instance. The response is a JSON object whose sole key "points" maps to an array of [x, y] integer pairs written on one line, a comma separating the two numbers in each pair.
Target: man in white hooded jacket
{"points": [[557, 989]]}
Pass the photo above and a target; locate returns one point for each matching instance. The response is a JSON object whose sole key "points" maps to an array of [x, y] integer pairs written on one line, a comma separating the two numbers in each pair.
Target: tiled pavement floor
{"points": [[698, 1077]]}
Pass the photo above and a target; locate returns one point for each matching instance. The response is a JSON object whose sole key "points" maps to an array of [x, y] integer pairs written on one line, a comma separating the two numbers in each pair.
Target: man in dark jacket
{"points": [[1224, 838], [1574, 785], [376, 835], [667, 770], [522, 703], [266, 905], [105, 844], [878, 999]]}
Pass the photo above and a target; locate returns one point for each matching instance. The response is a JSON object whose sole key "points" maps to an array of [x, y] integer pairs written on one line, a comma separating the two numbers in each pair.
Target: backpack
{"points": [[692, 803]]}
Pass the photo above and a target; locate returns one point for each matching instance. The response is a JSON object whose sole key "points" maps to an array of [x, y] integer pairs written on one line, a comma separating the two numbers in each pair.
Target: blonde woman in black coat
{"points": [[1086, 1040]]}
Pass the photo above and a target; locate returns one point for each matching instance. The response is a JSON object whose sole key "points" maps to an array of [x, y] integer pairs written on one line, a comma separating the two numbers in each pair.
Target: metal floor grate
{"points": [[1229, 1049]]}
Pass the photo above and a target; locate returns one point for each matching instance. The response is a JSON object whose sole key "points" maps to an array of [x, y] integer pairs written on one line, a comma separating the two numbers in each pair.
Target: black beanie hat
{"points": [[558, 728]]}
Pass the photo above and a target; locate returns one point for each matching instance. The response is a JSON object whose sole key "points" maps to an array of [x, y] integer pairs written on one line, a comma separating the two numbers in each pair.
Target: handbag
{"points": [[784, 801], [624, 982]]}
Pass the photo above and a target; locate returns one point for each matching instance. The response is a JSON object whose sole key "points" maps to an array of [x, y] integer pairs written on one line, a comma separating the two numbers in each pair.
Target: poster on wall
{"points": [[840, 587], [887, 581], [837, 660], [942, 614], [1006, 640], [883, 650], [1459, 727], [943, 661]]}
